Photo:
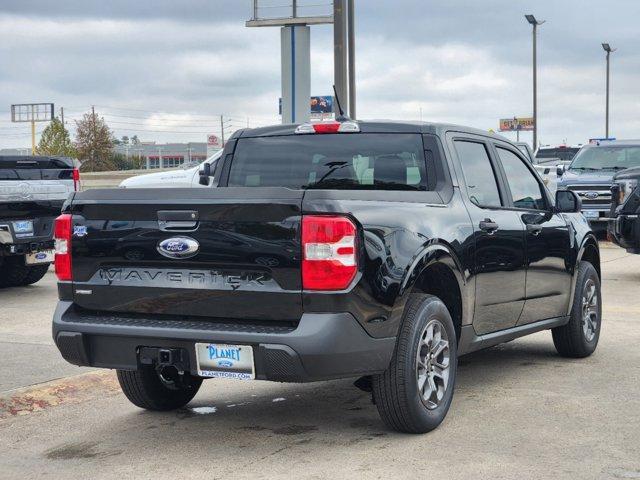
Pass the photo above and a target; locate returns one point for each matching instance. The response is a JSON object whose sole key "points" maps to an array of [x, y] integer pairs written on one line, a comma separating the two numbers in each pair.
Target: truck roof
{"points": [[38, 161], [374, 126], [614, 143]]}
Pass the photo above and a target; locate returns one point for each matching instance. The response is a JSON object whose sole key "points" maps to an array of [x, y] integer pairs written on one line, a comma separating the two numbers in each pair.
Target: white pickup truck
{"points": [[32, 191], [183, 178], [548, 171]]}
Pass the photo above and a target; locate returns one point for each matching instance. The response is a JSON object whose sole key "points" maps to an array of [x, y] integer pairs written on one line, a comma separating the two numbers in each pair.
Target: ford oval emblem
{"points": [[179, 247], [591, 195]]}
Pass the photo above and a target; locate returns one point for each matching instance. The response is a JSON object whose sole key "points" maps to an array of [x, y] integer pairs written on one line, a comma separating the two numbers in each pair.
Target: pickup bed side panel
{"points": [[395, 233]]}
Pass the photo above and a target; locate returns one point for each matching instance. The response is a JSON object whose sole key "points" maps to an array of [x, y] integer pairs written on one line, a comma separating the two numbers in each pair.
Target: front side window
{"points": [[524, 186], [479, 176], [362, 161]]}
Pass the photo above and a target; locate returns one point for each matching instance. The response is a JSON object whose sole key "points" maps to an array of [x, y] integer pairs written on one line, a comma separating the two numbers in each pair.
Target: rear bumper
{"points": [[322, 346]]}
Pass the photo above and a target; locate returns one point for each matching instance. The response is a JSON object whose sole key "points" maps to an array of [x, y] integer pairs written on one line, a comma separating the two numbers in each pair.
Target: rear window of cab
{"points": [[362, 161]]}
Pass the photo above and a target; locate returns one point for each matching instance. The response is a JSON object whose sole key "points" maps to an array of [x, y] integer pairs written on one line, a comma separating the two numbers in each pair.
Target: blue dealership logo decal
{"points": [[79, 231], [179, 247]]}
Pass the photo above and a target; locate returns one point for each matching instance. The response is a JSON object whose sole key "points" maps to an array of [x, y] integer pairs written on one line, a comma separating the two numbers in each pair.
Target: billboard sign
{"points": [[32, 112], [213, 141], [516, 124], [321, 107]]}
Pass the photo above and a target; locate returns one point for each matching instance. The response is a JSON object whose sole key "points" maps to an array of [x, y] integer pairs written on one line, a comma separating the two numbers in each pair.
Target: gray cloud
{"points": [[464, 61]]}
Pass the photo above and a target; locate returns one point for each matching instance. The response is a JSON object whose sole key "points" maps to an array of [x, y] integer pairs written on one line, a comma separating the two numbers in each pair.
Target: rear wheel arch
{"points": [[438, 273]]}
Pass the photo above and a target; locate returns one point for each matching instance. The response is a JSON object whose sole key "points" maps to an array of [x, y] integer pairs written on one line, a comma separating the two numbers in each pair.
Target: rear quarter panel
{"points": [[401, 233]]}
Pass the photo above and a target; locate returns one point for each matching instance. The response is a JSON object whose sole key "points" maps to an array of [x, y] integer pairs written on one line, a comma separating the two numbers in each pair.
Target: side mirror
{"points": [[568, 202], [560, 170], [205, 173]]}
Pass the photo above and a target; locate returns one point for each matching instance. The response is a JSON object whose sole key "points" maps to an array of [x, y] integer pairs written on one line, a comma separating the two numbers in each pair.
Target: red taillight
{"points": [[76, 179], [328, 252], [62, 235], [328, 127]]}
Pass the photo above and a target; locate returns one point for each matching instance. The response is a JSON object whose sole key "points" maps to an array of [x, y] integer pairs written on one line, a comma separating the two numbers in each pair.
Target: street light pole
{"points": [[607, 48], [352, 57], [534, 23]]}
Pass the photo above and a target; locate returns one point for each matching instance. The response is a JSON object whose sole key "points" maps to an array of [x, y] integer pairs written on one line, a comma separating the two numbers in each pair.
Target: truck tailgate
{"points": [[127, 246]]}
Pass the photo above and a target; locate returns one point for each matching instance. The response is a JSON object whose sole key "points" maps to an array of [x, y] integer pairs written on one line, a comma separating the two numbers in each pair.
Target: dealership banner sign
{"points": [[516, 123], [321, 107]]}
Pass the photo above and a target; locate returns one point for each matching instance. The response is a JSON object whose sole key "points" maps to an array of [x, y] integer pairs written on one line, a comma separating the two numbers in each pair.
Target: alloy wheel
{"points": [[432, 364], [590, 310]]}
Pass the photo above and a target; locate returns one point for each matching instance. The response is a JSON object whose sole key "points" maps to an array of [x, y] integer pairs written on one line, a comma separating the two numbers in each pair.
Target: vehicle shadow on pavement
{"points": [[333, 413]]}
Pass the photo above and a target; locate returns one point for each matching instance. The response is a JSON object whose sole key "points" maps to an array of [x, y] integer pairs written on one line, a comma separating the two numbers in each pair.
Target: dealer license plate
{"points": [[44, 256], [23, 228], [225, 361], [591, 214]]}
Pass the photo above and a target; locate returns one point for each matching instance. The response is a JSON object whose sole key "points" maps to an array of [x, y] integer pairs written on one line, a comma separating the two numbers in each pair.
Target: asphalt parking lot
{"points": [[519, 411]]}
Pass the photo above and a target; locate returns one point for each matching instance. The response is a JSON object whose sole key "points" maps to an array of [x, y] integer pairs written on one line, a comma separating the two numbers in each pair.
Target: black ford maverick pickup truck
{"points": [[376, 250]]}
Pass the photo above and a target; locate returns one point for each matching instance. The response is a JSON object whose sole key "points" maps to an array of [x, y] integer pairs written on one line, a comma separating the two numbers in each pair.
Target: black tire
{"points": [[13, 272], [396, 392], [35, 274], [145, 389], [573, 339]]}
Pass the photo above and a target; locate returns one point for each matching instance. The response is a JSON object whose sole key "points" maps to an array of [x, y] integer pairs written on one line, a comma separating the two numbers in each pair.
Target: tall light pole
{"points": [[351, 32], [532, 20], [608, 49]]}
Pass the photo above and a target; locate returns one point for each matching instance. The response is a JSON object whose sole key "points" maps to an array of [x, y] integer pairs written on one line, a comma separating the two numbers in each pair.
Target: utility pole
{"points": [[33, 130], [352, 59], [93, 128], [534, 23], [607, 48], [222, 130], [340, 52], [62, 116]]}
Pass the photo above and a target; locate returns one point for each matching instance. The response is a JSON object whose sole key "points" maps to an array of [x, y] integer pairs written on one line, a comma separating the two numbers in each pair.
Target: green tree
{"points": [[55, 140], [94, 143]]}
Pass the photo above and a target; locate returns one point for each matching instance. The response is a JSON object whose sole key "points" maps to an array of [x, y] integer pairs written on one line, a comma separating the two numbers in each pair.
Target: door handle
{"points": [[489, 226], [534, 229]]}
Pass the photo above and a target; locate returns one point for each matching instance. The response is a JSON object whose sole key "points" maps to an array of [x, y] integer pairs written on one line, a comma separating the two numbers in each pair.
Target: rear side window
{"points": [[363, 161], [479, 176], [34, 168]]}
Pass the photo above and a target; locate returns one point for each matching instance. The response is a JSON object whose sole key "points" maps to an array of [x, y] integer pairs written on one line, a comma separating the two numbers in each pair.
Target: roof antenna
{"points": [[342, 117]]}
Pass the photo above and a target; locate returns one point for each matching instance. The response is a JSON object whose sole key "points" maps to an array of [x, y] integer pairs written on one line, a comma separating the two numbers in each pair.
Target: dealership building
{"points": [[165, 155]]}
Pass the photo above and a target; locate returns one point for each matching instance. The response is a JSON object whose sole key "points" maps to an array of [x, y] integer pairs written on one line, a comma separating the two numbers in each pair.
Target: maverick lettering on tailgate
{"points": [[175, 278]]}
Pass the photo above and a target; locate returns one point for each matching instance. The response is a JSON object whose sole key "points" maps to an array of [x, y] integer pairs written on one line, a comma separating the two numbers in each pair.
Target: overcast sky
{"points": [[164, 69]]}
